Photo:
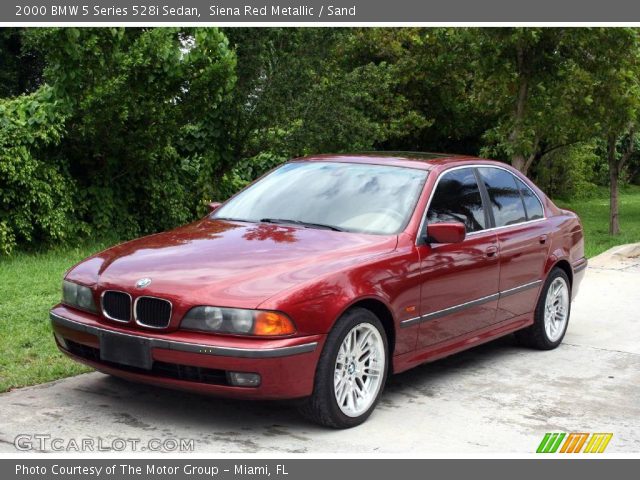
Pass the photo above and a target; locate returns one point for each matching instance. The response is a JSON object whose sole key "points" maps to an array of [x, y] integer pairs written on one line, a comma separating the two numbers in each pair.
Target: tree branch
{"points": [[556, 147], [534, 155], [630, 150]]}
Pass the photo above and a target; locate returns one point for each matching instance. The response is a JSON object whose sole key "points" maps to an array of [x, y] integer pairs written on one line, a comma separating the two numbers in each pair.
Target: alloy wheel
{"points": [[359, 367], [556, 309]]}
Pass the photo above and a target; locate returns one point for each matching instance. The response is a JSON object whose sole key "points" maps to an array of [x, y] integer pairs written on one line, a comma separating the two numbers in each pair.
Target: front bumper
{"points": [[195, 361], [579, 269]]}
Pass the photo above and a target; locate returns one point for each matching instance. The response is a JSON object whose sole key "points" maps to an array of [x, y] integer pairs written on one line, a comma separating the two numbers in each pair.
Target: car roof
{"points": [[419, 160]]}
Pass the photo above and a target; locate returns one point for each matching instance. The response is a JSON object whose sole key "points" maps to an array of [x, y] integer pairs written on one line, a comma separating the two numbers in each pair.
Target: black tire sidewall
{"points": [[324, 385], [539, 322]]}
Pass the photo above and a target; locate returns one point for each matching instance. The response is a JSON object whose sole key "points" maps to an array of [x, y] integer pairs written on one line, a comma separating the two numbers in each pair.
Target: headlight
{"points": [[78, 296], [237, 320]]}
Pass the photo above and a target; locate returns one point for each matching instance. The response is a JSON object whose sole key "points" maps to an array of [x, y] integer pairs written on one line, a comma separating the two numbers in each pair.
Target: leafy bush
{"points": [[36, 204], [128, 131], [144, 135], [570, 172]]}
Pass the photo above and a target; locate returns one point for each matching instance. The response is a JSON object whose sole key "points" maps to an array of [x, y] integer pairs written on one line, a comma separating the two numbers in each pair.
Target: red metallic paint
{"points": [[453, 232], [523, 251], [314, 276], [464, 271]]}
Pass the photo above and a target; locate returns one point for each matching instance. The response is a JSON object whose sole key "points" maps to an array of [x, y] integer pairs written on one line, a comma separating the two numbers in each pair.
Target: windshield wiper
{"points": [[301, 223], [230, 219]]}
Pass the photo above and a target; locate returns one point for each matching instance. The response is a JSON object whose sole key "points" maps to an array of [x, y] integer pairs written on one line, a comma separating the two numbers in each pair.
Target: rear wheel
{"points": [[351, 372], [551, 316]]}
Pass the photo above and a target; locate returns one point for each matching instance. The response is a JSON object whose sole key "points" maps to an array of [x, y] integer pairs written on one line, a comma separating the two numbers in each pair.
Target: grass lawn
{"points": [[30, 284], [594, 214]]}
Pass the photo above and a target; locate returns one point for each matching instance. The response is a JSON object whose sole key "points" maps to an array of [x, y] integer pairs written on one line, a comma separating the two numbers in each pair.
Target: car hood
{"points": [[228, 263]]}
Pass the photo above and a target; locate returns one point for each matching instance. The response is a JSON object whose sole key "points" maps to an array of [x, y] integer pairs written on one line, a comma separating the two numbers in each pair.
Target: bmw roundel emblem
{"points": [[143, 282]]}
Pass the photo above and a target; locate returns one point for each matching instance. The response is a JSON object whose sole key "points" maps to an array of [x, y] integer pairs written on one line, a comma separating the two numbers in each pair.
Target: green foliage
{"points": [[594, 213], [132, 131], [304, 91], [36, 202], [533, 79], [570, 172], [432, 71], [144, 131], [20, 67]]}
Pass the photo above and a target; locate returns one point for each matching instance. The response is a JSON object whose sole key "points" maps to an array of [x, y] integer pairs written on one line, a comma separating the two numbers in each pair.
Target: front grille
{"points": [[153, 312], [116, 305], [175, 371]]}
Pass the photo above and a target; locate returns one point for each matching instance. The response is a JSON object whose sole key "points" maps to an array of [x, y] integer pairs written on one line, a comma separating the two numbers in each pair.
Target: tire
{"points": [[542, 335], [337, 376]]}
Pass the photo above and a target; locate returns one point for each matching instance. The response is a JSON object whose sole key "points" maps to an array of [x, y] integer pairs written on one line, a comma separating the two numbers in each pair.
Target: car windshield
{"points": [[375, 199]]}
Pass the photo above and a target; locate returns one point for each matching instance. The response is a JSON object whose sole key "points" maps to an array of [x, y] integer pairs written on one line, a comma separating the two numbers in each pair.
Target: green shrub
{"points": [[569, 172], [36, 201]]}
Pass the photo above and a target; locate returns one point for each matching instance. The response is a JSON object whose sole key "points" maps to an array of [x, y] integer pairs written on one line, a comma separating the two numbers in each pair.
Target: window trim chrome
{"points": [[135, 313], [474, 166], [109, 317], [505, 226]]}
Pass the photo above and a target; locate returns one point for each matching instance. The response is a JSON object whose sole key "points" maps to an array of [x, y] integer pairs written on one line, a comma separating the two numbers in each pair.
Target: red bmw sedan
{"points": [[325, 276]]}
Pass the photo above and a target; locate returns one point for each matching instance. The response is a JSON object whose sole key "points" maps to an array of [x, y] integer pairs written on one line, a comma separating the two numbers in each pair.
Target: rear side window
{"points": [[504, 196], [457, 199], [532, 205]]}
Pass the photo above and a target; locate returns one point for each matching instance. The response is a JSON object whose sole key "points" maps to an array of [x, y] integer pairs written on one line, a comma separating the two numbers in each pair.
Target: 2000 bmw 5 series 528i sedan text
{"points": [[325, 276]]}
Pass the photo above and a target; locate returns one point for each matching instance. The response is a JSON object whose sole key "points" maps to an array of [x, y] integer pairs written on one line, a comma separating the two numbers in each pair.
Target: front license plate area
{"points": [[125, 350]]}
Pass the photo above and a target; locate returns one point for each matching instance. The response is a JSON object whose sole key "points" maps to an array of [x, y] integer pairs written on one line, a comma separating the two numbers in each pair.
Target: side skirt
{"points": [[440, 350]]}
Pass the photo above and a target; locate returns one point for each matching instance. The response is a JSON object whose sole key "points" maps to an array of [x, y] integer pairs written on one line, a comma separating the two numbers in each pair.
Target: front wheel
{"points": [[551, 316], [351, 372]]}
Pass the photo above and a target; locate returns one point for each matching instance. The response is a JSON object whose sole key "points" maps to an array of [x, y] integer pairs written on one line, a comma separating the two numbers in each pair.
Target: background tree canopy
{"points": [[131, 131]]}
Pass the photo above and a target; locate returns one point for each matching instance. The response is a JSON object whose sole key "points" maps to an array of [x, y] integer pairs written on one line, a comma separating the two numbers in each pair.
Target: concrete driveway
{"points": [[495, 398]]}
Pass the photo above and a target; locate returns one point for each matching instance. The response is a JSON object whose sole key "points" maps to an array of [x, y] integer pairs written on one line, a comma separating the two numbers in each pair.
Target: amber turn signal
{"points": [[272, 323]]}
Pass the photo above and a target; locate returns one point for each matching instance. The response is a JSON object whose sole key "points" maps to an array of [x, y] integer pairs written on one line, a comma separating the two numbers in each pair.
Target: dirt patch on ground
{"points": [[623, 257]]}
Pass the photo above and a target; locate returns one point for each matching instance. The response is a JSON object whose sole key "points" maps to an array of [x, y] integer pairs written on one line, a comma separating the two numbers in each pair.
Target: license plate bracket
{"points": [[126, 350]]}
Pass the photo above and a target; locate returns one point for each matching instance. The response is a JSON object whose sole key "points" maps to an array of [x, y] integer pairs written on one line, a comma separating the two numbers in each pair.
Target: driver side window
{"points": [[457, 199]]}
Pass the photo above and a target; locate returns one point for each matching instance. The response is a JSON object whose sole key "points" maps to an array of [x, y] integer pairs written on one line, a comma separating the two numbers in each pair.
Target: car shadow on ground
{"points": [[158, 410]]}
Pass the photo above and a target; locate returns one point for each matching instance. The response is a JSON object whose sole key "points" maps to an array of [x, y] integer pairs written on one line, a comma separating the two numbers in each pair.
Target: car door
{"points": [[459, 281], [523, 242]]}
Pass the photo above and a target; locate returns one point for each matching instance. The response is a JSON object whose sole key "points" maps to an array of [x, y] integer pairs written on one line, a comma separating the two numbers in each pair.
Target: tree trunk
{"points": [[518, 160], [614, 175], [523, 163]]}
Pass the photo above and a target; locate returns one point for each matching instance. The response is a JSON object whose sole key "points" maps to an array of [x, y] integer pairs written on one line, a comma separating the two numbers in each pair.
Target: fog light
{"points": [[240, 379]]}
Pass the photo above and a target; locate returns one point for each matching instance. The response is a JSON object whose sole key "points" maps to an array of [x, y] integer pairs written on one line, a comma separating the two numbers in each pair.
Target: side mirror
{"points": [[213, 206], [449, 232]]}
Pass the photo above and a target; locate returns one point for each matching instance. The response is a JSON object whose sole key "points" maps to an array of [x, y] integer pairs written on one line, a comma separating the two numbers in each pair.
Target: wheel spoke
{"points": [[364, 356], [372, 372], [351, 399], [358, 387], [364, 338], [358, 369], [556, 309], [348, 343], [342, 393]]}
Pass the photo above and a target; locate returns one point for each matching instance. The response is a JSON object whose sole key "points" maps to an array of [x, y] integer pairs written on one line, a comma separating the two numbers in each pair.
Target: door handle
{"points": [[543, 239], [491, 251]]}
